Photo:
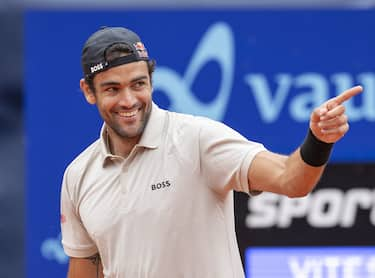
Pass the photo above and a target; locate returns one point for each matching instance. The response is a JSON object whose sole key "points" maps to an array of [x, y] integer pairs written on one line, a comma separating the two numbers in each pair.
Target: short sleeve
{"points": [[226, 156], [75, 239]]}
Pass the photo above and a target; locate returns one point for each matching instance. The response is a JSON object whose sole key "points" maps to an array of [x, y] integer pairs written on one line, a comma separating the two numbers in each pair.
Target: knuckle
{"points": [[343, 119], [344, 128], [343, 108]]}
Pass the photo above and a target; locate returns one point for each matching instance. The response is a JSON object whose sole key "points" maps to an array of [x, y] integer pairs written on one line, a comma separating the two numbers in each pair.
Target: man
{"points": [[153, 196]]}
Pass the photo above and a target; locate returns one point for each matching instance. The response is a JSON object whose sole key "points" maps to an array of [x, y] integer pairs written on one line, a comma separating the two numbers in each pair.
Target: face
{"points": [[123, 98]]}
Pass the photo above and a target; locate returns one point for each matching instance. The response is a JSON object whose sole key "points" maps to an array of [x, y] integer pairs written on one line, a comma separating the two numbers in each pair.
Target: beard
{"points": [[130, 132]]}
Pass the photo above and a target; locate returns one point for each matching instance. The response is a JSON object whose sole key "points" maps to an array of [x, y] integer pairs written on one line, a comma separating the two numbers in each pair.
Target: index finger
{"points": [[344, 96]]}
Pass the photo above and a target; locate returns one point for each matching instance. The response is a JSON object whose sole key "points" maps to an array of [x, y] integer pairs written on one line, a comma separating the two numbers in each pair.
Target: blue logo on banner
{"points": [[315, 87], [178, 88]]}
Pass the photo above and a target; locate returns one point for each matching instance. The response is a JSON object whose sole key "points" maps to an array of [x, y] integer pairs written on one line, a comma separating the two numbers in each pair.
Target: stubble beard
{"points": [[124, 134]]}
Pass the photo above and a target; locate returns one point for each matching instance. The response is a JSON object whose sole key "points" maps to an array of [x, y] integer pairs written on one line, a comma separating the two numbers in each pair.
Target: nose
{"points": [[127, 98]]}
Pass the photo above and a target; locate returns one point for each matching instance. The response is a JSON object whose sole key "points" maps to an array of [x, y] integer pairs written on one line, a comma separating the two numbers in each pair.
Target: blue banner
{"points": [[261, 72], [310, 262]]}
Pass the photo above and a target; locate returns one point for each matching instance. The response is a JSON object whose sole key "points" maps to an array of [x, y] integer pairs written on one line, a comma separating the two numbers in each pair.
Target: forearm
{"points": [[90, 267], [294, 175], [306, 165], [298, 177]]}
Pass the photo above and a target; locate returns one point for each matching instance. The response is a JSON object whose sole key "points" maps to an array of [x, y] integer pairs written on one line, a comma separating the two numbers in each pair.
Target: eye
{"points": [[139, 84], [111, 90]]}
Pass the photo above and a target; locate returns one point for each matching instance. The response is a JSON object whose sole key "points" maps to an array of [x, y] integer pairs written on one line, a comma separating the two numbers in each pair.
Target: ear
{"points": [[89, 94]]}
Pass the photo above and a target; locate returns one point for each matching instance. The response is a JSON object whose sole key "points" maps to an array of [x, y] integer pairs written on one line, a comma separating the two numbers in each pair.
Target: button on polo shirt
{"points": [[167, 209]]}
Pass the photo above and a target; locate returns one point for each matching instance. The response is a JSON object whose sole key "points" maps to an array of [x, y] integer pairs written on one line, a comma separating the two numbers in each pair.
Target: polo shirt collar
{"points": [[104, 146], [151, 137]]}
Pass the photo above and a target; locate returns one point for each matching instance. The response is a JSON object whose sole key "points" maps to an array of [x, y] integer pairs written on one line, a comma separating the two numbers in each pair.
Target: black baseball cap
{"points": [[93, 53]]}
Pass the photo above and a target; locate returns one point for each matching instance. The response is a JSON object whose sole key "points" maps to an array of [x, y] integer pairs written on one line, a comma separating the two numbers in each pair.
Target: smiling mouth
{"points": [[128, 114]]}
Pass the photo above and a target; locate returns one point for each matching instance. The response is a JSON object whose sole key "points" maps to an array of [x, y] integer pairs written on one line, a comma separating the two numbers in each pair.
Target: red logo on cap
{"points": [[141, 49]]}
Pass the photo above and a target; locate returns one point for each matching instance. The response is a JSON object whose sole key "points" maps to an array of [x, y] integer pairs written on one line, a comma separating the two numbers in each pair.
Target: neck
{"points": [[120, 146]]}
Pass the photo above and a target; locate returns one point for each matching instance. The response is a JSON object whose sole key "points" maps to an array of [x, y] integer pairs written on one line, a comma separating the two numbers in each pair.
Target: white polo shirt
{"points": [[166, 211]]}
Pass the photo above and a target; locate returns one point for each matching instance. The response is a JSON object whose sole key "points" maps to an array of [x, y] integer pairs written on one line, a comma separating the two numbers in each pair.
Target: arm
{"points": [[90, 267], [286, 175], [76, 240], [296, 175]]}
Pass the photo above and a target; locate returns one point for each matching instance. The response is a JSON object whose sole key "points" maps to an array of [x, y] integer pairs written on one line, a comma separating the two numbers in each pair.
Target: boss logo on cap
{"points": [[97, 67], [140, 47]]}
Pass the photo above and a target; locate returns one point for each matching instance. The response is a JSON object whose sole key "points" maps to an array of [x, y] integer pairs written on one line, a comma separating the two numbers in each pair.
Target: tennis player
{"points": [[152, 197]]}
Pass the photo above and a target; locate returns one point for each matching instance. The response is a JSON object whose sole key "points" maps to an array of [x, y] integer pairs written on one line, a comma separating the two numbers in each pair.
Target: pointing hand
{"points": [[329, 122]]}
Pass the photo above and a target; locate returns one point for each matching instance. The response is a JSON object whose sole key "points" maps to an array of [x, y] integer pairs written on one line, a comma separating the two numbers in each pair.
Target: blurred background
{"points": [[270, 227]]}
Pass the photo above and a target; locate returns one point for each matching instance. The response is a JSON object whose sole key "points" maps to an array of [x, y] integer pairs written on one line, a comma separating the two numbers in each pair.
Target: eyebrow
{"points": [[139, 78], [116, 83]]}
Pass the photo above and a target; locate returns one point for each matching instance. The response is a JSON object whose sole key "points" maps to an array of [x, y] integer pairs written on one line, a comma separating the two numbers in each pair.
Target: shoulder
{"points": [[191, 122], [201, 128], [80, 163]]}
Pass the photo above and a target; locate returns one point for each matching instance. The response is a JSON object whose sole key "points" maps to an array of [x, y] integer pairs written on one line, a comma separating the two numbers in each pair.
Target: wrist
{"points": [[315, 152]]}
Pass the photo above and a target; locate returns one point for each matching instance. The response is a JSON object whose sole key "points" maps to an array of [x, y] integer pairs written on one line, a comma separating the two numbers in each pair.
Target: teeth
{"points": [[127, 114]]}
